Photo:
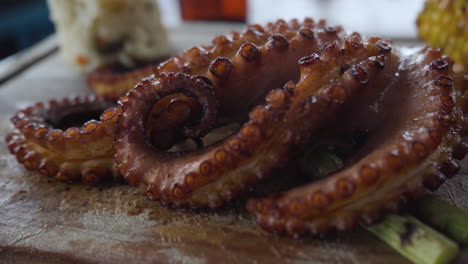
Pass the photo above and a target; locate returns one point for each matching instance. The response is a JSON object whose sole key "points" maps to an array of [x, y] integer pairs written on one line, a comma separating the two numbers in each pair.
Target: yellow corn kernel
{"points": [[444, 24]]}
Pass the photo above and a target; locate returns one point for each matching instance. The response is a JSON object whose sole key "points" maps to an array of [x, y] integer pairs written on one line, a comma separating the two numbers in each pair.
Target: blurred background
{"points": [[22, 23], [25, 22]]}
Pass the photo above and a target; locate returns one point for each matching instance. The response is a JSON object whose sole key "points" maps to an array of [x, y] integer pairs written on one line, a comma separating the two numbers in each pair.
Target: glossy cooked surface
{"points": [[52, 222], [43, 220]]}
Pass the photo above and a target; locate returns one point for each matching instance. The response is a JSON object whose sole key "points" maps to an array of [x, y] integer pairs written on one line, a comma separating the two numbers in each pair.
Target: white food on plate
{"points": [[93, 32]]}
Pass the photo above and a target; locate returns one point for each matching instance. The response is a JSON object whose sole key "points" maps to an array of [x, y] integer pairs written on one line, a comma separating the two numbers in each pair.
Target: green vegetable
{"points": [[319, 162], [419, 243], [443, 216], [414, 240]]}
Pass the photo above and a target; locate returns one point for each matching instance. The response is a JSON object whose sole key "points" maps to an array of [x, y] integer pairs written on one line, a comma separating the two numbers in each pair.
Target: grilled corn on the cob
{"points": [[444, 24]]}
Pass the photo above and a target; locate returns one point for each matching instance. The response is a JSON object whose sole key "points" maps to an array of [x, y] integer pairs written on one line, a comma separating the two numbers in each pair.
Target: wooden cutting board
{"points": [[46, 221]]}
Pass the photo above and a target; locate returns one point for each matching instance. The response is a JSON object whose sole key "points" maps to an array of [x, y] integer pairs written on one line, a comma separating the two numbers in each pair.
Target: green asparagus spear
{"points": [[411, 238], [447, 218], [414, 240]]}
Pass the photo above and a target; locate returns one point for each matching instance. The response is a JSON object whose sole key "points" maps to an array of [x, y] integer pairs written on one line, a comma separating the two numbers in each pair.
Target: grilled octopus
{"points": [[287, 85]]}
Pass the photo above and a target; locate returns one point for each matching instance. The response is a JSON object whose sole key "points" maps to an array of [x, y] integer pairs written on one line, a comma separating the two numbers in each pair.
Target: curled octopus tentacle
{"points": [[169, 117], [72, 138], [415, 129], [230, 58], [113, 80], [52, 139], [288, 117]]}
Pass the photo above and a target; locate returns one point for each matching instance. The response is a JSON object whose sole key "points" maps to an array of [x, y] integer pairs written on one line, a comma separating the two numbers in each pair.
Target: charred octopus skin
{"points": [[60, 139], [287, 84], [71, 139], [281, 120], [344, 83], [113, 80], [415, 121], [231, 60]]}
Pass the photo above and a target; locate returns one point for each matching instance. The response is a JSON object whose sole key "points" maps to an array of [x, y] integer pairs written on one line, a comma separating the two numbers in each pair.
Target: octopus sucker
{"points": [[399, 161], [52, 139], [287, 118]]}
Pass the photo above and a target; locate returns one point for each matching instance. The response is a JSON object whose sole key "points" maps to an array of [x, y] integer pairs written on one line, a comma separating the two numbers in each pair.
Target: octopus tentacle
{"points": [[46, 139], [417, 148], [111, 81], [61, 138], [285, 42], [168, 118], [288, 84], [150, 91], [218, 173]]}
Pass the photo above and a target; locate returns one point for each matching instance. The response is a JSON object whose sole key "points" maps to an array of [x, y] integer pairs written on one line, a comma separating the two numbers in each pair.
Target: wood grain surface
{"points": [[46, 221]]}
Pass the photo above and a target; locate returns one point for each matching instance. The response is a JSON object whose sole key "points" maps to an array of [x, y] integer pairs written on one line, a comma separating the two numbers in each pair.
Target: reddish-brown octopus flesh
{"points": [[407, 104], [240, 82], [280, 42], [288, 85], [415, 130], [52, 139], [113, 80], [62, 139]]}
